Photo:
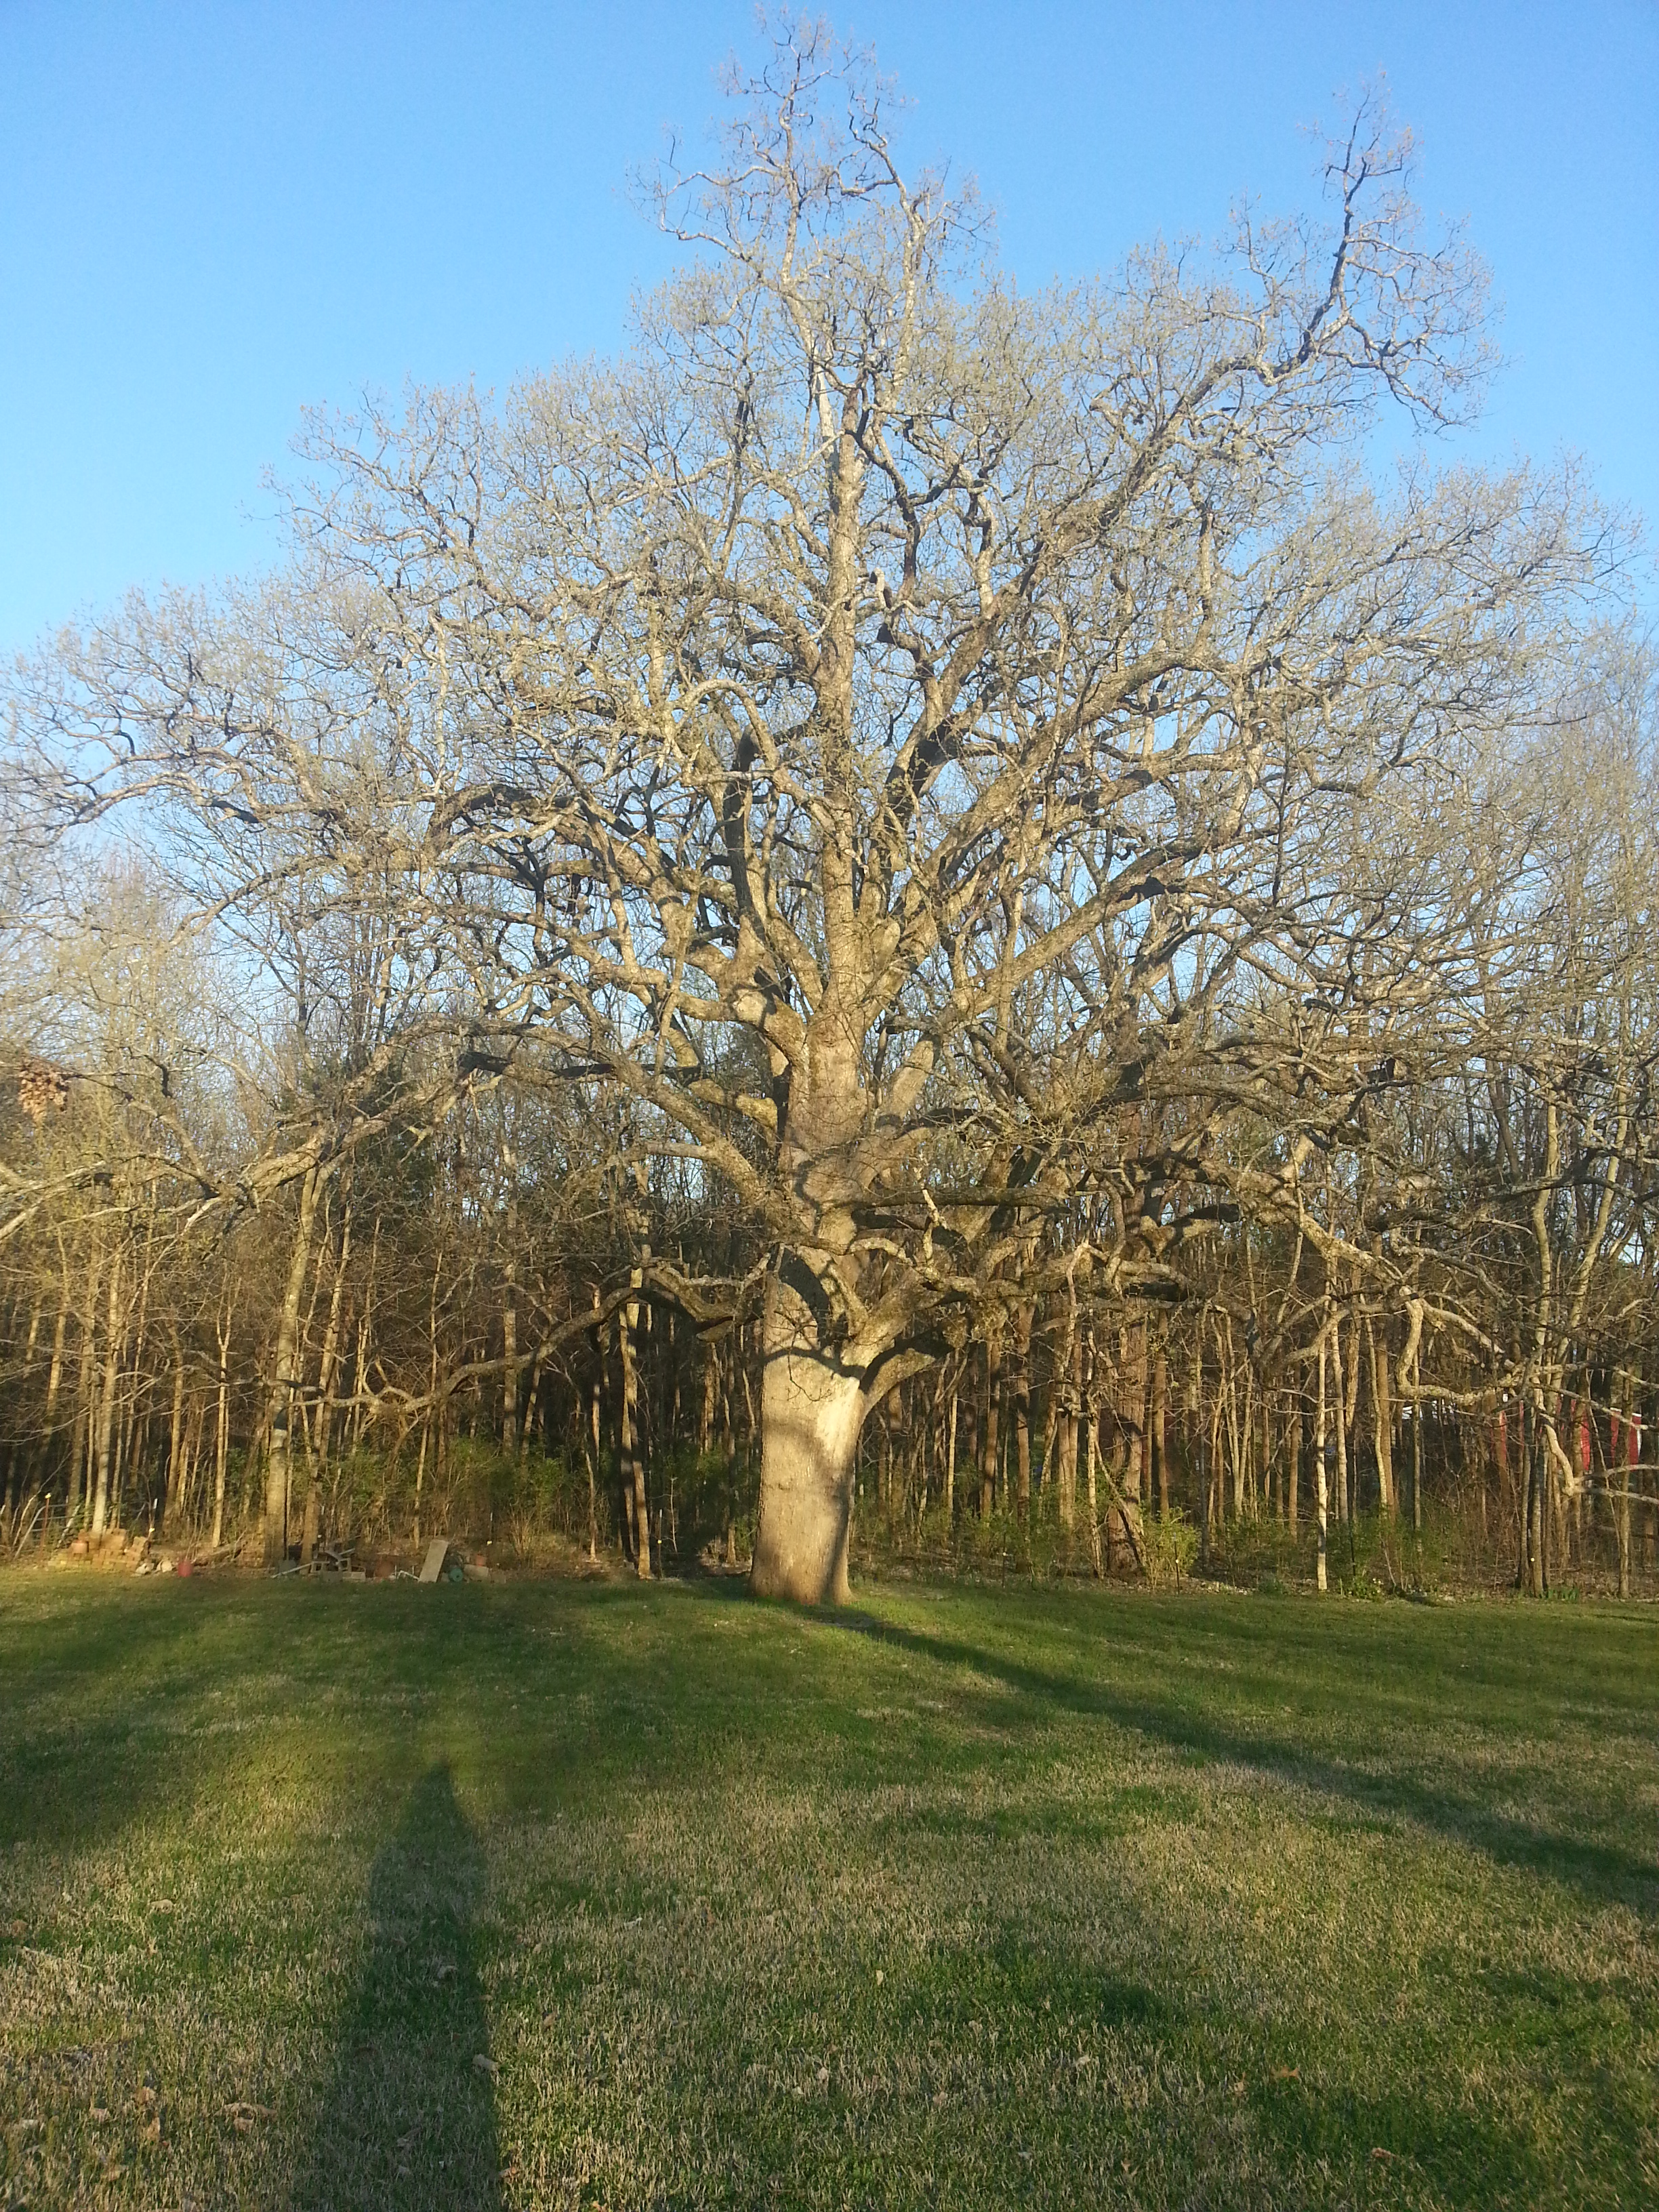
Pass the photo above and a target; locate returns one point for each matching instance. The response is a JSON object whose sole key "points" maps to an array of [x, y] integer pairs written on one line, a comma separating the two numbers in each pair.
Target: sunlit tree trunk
{"points": [[1382, 1411], [1090, 1447], [55, 1372], [510, 1348], [812, 1412], [222, 1427], [955, 1400], [170, 1496], [285, 1379], [631, 1452], [1022, 1403], [83, 1405], [1339, 1408], [106, 1402], [1070, 1423], [1321, 1501]]}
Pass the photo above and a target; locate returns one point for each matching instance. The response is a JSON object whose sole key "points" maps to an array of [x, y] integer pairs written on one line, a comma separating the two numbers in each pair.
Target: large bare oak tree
{"points": [[873, 726]]}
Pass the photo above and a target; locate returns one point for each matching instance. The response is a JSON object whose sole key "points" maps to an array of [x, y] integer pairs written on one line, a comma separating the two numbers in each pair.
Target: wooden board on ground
{"points": [[433, 1565]]}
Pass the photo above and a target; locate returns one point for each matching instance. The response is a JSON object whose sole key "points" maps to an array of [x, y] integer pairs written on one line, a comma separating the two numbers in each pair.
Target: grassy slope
{"points": [[965, 1899]]}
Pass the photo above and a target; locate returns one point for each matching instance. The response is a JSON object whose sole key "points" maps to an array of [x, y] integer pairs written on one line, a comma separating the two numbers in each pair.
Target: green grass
{"points": [[965, 1898]]}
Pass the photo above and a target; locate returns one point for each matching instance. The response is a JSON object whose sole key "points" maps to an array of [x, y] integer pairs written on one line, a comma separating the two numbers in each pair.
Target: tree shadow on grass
{"points": [[1604, 1871], [407, 2118]]}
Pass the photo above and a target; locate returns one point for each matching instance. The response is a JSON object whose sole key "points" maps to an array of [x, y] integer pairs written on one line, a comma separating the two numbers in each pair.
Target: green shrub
{"points": [[1169, 1545]]}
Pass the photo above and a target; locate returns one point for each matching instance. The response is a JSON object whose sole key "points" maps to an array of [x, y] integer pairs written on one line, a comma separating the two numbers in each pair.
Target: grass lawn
{"points": [[579, 1895]]}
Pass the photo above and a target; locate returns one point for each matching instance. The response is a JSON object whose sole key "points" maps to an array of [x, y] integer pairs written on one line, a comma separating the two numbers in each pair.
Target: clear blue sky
{"points": [[213, 215]]}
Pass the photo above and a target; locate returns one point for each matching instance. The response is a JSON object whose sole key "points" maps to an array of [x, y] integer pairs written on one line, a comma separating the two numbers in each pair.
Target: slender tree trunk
{"points": [[1383, 1410], [1022, 1401], [531, 1403], [1417, 1444], [950, 1456], [510, 1353], [193, 1426], [285, 1379], [1350, 1421], [1293, 1460], [222, 1427], [170, 1496], [1532, 1468], [420, 1477], [706, 1413], [1620, 1471], [359, 1392], [1321, 1501], [1132, 1402], [592, 1447], [84, 1383], [1090, 1447], [1339, 1407], [632, 1455], [1070, 1424], [328, 1365], [55, 1373], [311, 1518], [107, 1403], [990, 1443]]}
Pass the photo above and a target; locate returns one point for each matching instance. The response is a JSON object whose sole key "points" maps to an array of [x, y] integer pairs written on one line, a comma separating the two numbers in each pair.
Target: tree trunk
{"points": [[811, 1411], [1090, 1447], [991, 1441], [193, 1425], [222, 1430], [107, 1403], [532, 1399], [310, 1525], [359, 1392], [1022, 1396], [950, 1459], [510, 1350], [1069, 1427], [1416, 1445], [631, 1452], [83, 1389], [330, 1359], [1318, 1459], [1339, 1407], [1131, 1416], [285, 1380], [591, 1452], [55, 1373], [170, 1497], [1293, 1460], [1383, 1407], [1532, 1466], [705, 1414]]}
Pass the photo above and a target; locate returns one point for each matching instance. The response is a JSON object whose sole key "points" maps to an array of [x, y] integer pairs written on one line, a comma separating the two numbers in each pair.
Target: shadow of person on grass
{"points": [[407, 2118]]}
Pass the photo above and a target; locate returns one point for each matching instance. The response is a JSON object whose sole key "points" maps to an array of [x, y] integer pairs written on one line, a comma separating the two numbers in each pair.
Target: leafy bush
{"points": [[1168, 1545]]}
